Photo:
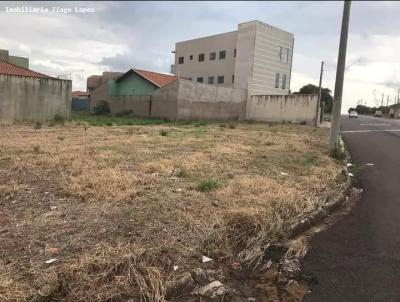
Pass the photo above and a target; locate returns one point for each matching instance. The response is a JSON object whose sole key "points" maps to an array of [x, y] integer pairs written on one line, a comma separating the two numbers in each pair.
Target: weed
{"points": [[232, 126], [109, 123], [339, 153], [102, 108], [269, 143], [222, 125], [38, 125], [208, 185], [181, 172], [163, 132], [58, 119], [36, 148], [51, 124], [60, 138], [130, 131]]}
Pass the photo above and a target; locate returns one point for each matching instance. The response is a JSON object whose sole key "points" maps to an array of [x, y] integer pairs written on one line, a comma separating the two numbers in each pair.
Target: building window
{"points": [[213, 55], [220, 79], [233, 78], [222, 54], [234, 53], [284, 55], [277, 80], [191, 57], [180, 60], [200, 79], [284, 81], [210, 80], [201, 57]]}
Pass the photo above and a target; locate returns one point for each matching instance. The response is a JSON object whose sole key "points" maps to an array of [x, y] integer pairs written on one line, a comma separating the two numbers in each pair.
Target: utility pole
{"points": [[383, 96], [319, 104], [387, 105], [337, 101], [398, 92]]}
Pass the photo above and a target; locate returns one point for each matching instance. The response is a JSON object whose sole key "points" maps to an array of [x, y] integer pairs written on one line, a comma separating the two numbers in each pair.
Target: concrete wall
{"points": [[164, 101], [139, 105], [19, 61], [283, 108], [99, 95], [186, 100], [33, 99]]}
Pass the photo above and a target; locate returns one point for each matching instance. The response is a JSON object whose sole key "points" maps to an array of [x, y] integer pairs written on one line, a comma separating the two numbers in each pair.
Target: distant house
{"points": [[26, 95], [129, 92], [80, 101]]}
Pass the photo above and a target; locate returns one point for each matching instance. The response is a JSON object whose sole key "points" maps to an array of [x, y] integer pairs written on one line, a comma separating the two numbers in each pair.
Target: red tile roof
{"points": [[158, 79], [80, 93], [11, 69]]}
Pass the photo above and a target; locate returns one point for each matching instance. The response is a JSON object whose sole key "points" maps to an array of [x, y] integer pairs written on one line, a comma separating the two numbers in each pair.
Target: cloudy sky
{"points": [[121, 35]]}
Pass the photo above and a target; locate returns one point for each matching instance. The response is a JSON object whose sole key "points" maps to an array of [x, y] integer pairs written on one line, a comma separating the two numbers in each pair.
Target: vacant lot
{"points": [[120, 210]]}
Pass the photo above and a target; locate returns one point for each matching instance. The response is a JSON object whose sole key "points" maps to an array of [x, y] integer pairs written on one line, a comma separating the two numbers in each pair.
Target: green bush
{"points": [[60, 138], [102, 108], [163, 132], [38, 125], [58, 119], [208, 185]]}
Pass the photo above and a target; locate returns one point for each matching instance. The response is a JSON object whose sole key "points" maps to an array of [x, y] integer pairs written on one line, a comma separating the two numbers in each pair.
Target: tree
{"points": [[326, 96]]}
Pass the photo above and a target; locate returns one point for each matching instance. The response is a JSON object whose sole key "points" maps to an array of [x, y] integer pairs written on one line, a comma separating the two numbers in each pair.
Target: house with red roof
{"points": [[129, 92], [27, 95]]}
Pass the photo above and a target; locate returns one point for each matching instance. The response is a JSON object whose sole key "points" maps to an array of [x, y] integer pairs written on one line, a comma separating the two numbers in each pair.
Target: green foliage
{"points": [[326, 96], [103, 120], [163, 132], [102, 108], [60, 138], [339, 153], [38, 125], [58, 119], [208, 185]]}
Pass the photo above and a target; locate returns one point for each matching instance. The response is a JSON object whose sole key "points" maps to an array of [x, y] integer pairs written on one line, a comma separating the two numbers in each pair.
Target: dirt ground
{"points": [[113, 213]]}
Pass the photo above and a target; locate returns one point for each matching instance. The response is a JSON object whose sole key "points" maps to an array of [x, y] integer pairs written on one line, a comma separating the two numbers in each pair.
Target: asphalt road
{"points": [[358, 258]]}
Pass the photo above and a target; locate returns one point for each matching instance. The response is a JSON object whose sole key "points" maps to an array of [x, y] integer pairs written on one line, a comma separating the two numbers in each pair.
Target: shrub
{"points": [[163, 132], [38, 125], [36, 148], [232, 126], [222, 125], [102, 108], [58, 119], [60, 138], [208, 185], [109, 123]]}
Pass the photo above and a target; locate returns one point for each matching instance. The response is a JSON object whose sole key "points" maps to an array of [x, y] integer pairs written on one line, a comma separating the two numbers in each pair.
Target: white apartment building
{"points": [[257, 57]]}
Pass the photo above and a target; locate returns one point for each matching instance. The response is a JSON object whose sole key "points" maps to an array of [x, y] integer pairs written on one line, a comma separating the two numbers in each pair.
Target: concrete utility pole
{"points": [[337, 101], [398, 92], [320, 105], [383, 96]]}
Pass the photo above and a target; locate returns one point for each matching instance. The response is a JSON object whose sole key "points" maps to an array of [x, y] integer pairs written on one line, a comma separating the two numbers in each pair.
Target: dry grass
{"points": [[118, 206]]}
